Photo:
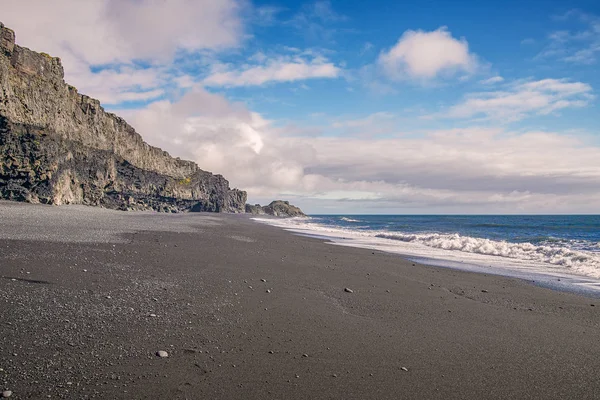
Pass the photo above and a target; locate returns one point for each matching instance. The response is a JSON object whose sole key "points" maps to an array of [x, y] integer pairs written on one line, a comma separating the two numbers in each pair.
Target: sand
{"points": [[249, 311]]}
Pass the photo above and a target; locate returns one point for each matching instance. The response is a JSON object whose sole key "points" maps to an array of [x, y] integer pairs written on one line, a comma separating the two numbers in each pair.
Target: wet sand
{"points": [[249, 311]]}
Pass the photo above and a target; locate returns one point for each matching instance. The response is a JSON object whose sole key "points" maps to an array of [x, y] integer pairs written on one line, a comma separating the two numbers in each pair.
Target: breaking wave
{"points": [[556, 255], [349, 219], [549, 254]]}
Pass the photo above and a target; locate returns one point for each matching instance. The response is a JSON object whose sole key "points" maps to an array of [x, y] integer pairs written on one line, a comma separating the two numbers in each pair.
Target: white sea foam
{"points": [[551, 258], [349, 219], [575, 260]]}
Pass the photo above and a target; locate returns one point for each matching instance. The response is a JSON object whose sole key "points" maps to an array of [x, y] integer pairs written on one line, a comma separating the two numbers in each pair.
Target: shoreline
{"points": [[529, 271], [86, 314]]}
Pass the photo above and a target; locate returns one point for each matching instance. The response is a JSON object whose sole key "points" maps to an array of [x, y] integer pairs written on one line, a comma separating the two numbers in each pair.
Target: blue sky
{"points": [[351, 106], [509, 38]]}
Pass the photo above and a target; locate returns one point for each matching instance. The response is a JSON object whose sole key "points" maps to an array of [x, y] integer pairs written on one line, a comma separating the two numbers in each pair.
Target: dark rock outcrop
{"points": [[60, 147], [277, 208], [255, 209]]}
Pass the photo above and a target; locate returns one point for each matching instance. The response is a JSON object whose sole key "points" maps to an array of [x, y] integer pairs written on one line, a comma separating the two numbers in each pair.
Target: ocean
{"points": [[542, 247]]}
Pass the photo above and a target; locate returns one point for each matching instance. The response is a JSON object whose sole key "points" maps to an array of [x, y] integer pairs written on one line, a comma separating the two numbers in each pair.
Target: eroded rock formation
{"points": [[277, 208], [58, 146]]}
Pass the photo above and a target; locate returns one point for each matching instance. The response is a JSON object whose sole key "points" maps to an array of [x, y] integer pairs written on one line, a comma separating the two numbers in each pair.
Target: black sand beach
{"points": [[248, 311]]}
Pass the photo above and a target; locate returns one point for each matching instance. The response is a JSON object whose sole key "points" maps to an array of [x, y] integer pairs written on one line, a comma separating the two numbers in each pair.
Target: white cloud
{"points": [[117, 85], [426, 55], [119, 34], [460, 170], [520, 100], [581, 46], [282, 69], [492, 80], [108, 57], [103, 32]]}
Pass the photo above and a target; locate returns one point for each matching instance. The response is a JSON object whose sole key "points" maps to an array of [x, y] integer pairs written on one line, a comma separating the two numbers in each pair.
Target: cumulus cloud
{"points": [[459, 170], [519, 100], [102, 31], [108, 57], [224, 137], [282, 69], [133, 57], [426, 55], [124, 83]]}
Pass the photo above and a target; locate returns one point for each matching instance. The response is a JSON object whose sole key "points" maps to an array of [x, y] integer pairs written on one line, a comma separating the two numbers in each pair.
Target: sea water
{"points": [[556, 250]]}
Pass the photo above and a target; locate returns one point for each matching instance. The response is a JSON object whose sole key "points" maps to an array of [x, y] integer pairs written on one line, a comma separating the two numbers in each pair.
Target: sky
{"points": [[434, 107]]}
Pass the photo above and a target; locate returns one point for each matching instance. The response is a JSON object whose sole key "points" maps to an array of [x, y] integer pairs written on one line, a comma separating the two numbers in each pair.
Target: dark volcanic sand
{"points": [[75, 334]]}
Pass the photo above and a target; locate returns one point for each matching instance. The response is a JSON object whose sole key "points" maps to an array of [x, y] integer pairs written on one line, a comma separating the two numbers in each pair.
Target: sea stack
{"points": [[277, 208]]}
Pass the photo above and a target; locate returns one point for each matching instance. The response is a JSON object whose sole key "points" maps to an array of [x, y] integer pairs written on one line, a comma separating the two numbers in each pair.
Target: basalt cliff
{"points": [[58, 146]]}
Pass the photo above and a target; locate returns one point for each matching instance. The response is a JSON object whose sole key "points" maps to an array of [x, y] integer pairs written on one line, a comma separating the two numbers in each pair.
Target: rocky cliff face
{"points": [[60, 147], [277, 208]]}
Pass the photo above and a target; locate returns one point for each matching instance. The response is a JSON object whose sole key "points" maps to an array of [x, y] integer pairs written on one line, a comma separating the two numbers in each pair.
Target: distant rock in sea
{"points": [[60, 147], [277, 208]]}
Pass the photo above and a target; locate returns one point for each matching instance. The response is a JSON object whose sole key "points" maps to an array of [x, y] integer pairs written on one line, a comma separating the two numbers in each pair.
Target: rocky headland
{"points": [[58, 146], [277, 208]]}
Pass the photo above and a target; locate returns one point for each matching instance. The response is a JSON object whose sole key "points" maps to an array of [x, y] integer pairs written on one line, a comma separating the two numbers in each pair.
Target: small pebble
{"points": [[263, 280], [348, 290], [484, 291], [152, 315], [162, 354], [304, 355], [334, 375], [268, 290], [404, 369], [6, 394]]}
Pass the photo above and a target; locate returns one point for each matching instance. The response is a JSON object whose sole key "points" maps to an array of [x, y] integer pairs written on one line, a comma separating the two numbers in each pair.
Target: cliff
{"points": [[58, 146]]}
